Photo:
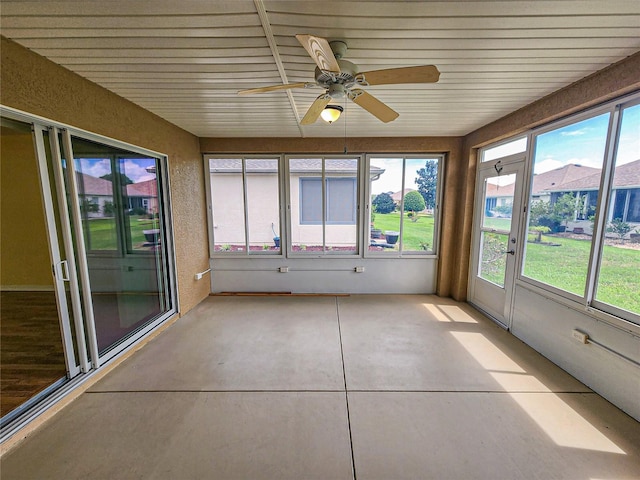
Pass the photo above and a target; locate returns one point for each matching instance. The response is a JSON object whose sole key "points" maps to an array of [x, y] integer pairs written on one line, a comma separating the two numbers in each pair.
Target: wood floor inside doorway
{"points": [[31, 347]]}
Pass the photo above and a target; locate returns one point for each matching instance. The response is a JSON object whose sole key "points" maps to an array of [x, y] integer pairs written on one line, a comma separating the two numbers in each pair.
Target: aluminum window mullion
{"points": [[67, 238], [600, 223], [404, 167], [245, 205], [83, 266], [324, 208], [54, 250]]}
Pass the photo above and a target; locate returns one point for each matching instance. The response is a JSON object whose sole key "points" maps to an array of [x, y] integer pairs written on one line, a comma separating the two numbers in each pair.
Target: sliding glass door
{"points": [[114, 196], [87, 255]]}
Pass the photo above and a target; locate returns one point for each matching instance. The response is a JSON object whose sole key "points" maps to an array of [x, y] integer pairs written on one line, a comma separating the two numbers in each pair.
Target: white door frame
{"points": [[494, 300]]}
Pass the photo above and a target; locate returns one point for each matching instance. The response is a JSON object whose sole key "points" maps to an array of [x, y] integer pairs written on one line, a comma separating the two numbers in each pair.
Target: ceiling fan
{"points": [[341, 78]]}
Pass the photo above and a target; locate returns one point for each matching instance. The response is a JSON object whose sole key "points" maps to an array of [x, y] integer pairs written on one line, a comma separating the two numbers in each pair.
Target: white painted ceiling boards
{"points": [[185, 60]]}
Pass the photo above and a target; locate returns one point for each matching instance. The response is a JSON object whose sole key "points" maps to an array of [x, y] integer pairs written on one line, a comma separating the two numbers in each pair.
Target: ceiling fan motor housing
{"points": [[346, 77]]}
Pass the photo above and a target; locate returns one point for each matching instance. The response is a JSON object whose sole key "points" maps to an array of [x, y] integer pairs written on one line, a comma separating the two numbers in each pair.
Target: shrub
{"points": [[618, 227], [414, 202], [383, 203]]}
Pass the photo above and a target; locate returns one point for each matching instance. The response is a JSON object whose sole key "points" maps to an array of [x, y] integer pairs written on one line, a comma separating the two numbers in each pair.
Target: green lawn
{"points": [[103, 235], [565, 267], [562, 263], [415, 234]]}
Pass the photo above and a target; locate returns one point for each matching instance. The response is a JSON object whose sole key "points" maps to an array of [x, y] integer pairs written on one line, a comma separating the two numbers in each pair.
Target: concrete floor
{"points": [[366, 387]]}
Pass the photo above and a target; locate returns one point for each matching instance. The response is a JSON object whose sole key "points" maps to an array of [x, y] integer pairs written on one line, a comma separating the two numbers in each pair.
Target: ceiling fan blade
{"points": [[272, 88], [316, 109], [372, 105], [320, 50], [423, 74]]}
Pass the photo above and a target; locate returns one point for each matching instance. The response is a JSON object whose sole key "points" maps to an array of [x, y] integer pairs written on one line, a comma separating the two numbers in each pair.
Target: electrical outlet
{"points": [[359, 269], [283, 269], [580, 336], [198, 276]]}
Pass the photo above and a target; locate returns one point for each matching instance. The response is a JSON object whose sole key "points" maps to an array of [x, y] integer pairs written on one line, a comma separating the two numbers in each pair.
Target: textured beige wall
{"points": [[23, 235], [36, 85], [453, 175]]}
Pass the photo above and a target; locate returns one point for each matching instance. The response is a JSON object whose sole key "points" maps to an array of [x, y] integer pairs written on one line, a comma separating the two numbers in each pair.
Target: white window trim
{"points": [[433, 253]]}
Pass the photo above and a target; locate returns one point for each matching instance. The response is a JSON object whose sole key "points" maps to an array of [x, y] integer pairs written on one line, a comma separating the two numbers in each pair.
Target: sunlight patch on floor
{"points": [[565, 426], [449, 313]]}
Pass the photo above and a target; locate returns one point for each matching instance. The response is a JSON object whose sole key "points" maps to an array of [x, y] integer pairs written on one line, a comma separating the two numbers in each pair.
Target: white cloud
{"points": [[136, 170], [547, 165], [95, 167], [573, 133]]}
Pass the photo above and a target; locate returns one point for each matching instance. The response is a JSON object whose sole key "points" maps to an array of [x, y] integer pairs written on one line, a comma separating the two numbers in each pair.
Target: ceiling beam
{"points": [[262, 13]]}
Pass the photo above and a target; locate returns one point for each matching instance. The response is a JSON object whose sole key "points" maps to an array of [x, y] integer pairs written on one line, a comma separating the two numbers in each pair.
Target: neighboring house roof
{"points": [[572, 178], [99, 187], [148, 188], [95, 186], [627, 176], [494, 190], [555, 180], [397, 196], [298, 165]]}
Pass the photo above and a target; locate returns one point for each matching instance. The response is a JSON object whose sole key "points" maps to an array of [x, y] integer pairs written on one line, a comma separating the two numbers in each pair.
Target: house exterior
{"points": [[97, 193], [625, 198], [583, 182], [262, 197]]}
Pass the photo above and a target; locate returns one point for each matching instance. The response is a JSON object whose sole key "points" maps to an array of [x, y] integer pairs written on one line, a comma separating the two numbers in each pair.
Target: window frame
{"points": [[246, 252], [401, 253], [290, 252], [587, 302]]}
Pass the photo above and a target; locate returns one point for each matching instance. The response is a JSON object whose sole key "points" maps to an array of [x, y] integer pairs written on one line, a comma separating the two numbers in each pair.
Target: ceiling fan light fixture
{"points": [[331, 113]]}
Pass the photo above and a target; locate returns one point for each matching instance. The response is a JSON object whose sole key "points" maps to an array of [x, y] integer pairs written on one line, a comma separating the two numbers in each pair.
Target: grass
{"points": [[103, 233], [414, 234], [565, 267]]}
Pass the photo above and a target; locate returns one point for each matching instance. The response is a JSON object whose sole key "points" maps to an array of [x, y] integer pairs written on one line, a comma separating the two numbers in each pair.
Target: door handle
{"points": [[511, 252], [61, 270]]}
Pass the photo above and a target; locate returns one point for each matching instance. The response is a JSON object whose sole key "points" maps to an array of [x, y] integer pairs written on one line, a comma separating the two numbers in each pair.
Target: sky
{"points": [[391, 179], [583, 143], [135, 169]]}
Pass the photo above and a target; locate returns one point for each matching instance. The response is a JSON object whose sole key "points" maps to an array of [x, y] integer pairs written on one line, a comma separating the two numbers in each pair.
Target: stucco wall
{"points": [[35, 85]]}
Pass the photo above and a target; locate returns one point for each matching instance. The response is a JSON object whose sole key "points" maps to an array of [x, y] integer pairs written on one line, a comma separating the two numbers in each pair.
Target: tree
{"points": [[427, 182], [124, 180], [383, 203], [413, 202], [566, 206]]}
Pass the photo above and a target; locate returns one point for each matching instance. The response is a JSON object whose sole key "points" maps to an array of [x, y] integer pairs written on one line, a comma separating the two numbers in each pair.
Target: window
{"points": [[329, 225], [245, 204], [404, 198], [583, 225], [511, 147], [568, 160], [340, 202], [618, 280]]}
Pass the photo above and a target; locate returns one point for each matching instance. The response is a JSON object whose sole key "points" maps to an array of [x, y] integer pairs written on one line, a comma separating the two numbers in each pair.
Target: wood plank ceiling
{"points": [[185, 60]]}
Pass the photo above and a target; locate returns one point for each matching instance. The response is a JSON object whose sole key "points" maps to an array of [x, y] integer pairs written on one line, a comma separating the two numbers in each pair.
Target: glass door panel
{"points": [[495, 228], [37, 350], [122, 230]]}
